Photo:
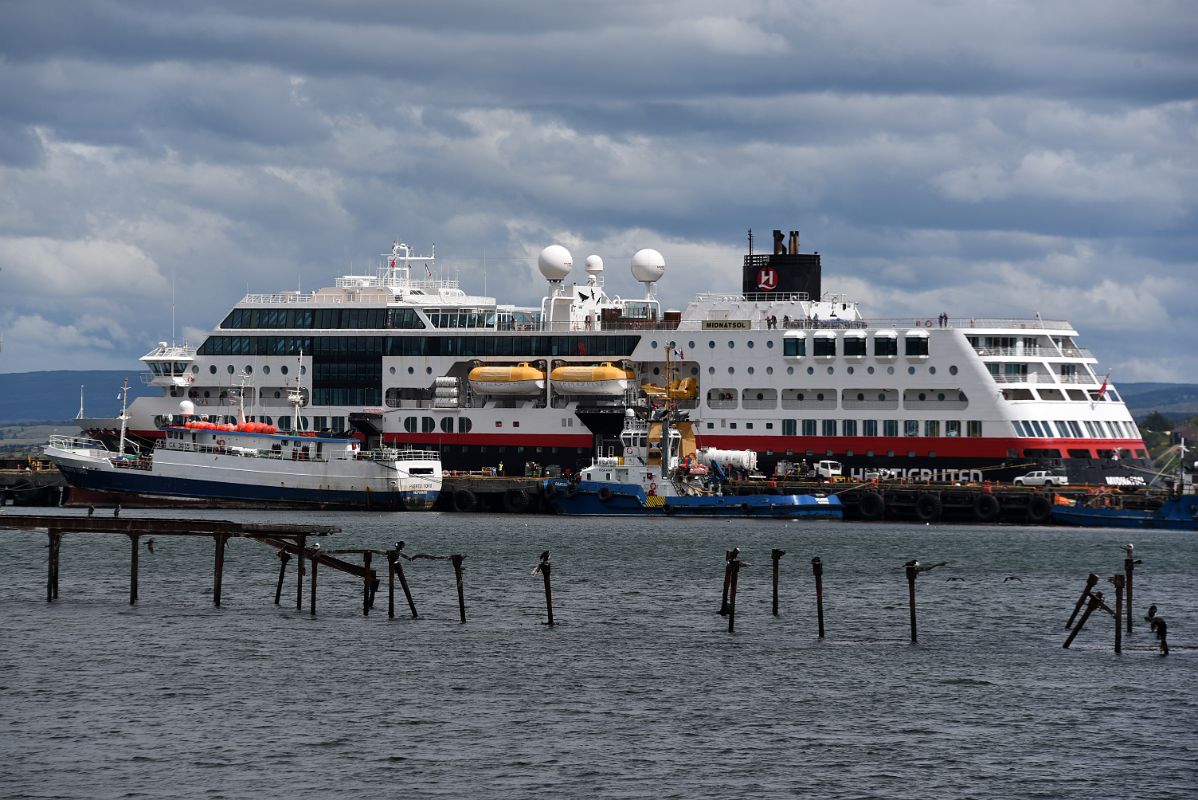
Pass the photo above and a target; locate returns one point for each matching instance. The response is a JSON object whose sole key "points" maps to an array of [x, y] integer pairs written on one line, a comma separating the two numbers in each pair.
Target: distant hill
{"points": [[54, 396]]}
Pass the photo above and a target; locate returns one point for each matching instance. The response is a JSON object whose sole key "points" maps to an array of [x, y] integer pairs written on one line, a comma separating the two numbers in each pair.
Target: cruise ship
{"points": [[782, 367]]}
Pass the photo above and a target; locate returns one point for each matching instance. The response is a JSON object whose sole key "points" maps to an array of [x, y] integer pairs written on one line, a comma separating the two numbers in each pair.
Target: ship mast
{"points": [[124, 416]]}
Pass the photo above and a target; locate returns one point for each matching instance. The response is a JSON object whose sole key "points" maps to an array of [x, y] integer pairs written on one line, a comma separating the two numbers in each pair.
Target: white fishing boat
{"points": [[201, 460]]}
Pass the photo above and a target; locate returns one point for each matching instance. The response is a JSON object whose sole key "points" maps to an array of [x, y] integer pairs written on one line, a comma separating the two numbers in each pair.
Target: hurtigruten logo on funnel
{"points": [[767, 279]]}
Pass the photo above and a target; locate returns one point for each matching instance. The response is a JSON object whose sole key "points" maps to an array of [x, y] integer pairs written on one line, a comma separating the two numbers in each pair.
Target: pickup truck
{"points": [[1041, 478]]}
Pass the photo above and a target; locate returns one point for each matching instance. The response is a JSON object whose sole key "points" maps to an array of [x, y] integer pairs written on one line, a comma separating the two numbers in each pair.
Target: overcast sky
{"points": [[984, 159]]}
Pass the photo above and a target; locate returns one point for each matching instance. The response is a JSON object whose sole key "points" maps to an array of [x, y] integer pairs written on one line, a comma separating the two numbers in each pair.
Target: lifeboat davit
{"points": [[602, 379], [521, 379], [685, 389]]}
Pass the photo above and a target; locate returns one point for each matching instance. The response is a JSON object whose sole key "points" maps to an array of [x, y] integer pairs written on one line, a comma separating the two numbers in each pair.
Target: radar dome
{"points": [[594, 265], [187, 408], [555, 262], [648, 265]]}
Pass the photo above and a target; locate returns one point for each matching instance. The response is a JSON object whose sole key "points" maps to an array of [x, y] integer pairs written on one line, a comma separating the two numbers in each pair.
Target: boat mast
{"points": [[124, 416]]}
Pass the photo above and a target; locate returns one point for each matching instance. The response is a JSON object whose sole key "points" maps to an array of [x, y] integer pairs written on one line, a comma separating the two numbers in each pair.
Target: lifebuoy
{"points": [[1039, 509], [872, 506], [464, 500], [986, 508], [220, 442], [928, 507], [604, 494], [652, 488], [927, 324]]}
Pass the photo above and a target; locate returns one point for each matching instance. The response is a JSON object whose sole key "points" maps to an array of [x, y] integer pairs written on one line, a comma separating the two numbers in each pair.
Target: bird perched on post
{"points": [[543, 563], [1151, 615]]}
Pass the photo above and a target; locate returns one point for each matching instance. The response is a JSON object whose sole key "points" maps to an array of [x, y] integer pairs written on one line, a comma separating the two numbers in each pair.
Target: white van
{"points": [[828, 469]]}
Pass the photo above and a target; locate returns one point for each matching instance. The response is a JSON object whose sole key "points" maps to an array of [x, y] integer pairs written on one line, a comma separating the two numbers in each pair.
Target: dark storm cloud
{"points": [[1003, 158]]}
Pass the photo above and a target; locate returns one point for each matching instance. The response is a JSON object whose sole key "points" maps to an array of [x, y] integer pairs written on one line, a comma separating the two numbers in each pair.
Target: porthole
{"points": [[831, 370], [922, 396], [750, 344], [230, 369], [952, 370], [910, 370], [940, 397], [751, 372], [870, 370], [811, 370], [769, 370], [731, 344], [711, 370], [731, 370], [931, 370], [790, 370], [860, 397], [411, 370], [890, 370], [657, 370], [249, 370], [195, 369], [770, 344], [850, 370], [283, 369], [428, 370], [711, 344], [881, 396], [266, 369], [690, 345], [800, 396], [653, 344], [393, 370], [212, 369], [819, 396]]}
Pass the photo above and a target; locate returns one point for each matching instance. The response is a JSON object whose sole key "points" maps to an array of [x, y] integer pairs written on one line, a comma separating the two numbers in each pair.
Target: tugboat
{"points": [[1105, 509], [654, 477], [211, 461]]}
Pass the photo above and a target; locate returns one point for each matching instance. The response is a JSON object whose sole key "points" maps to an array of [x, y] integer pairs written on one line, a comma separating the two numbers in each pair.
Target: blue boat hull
{"points": [[136, 484], [1178, 513], [588, 498]]}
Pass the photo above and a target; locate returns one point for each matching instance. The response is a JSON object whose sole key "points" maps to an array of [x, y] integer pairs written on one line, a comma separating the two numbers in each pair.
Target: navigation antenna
{"points": [[750, 241]]}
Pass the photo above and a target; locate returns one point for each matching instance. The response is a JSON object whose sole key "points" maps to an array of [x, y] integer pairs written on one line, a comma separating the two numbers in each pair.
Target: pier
{"points": [[867, 501], [288, 539]]}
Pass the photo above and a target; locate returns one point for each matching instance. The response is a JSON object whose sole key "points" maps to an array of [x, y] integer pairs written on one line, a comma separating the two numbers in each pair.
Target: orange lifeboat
{"points": [[603, 379], [506, 379]]}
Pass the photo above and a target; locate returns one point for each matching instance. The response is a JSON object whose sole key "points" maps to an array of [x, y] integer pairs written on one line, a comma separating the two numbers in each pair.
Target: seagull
{"points": [[116, 512], [1151, 613], [91, 510], [1012, 578], [399, 545], [912, 563], [953, 579], [545, 556]]}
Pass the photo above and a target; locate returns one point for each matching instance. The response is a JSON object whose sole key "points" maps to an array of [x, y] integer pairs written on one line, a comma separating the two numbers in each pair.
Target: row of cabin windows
{"points": [[323, 318], [800, 398], [1076, 429], [855, 346], [931, 428], [430, 425], [421, 346]]}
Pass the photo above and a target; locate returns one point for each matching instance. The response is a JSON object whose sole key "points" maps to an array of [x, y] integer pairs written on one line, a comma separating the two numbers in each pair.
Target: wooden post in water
{"points": [[1129, 568], [219, 570], [544, 568], [284, 557], [52, 564], [1091, 582], [1118, 581], [403, 580], [734, 566], [457, 560], [312, 589], [776, 554], [913, 569], [133, 553], [1095, 603], [391, 584], [367, 581], [729, 556], [299, 572], [817, 569]]}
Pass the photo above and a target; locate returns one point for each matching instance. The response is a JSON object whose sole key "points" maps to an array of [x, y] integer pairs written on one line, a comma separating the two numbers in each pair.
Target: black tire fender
{"points": [[464, 500], [986, 508], [928, 507], [872, 506]]}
